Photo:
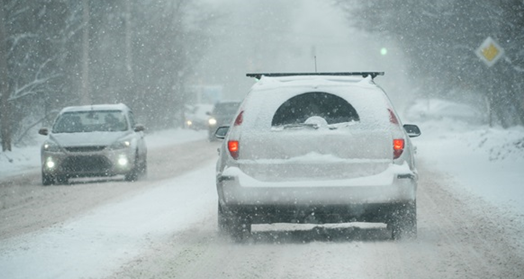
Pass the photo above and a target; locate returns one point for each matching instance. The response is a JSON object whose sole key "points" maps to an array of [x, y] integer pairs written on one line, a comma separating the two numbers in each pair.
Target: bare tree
{"points": [[57, 53], [440, 38]]}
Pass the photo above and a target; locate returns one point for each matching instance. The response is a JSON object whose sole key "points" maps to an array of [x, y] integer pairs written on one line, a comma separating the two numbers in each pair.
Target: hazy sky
{"points": [[284, 36]]}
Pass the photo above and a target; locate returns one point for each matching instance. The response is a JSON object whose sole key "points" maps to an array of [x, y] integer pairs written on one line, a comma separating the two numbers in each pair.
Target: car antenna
{"points": [[315, 57]]}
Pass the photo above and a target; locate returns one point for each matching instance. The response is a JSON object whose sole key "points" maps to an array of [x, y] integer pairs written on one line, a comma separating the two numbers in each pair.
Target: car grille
{"points": [[84, 148], [87, 164]]}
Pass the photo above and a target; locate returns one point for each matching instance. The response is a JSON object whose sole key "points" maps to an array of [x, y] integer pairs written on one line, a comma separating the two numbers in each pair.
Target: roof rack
{"points": [[363, 74]]}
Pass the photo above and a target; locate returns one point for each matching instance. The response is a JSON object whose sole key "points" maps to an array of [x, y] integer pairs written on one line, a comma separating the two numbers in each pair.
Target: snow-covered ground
{"points": [[94, 247], [486, 162], [483, 162]]}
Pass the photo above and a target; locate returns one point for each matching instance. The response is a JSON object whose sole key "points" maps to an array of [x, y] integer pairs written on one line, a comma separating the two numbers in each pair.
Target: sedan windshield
{"points": [[90, 121]]}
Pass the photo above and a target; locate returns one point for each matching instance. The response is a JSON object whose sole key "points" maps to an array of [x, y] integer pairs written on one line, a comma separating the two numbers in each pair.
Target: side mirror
{"points": [[221, 132], [413, 131], [43, 131], [139, 128]]}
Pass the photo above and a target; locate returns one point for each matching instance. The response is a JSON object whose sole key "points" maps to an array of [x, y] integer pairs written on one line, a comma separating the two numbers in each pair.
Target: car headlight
{"points": [[51, 146], [212, 121], [121, 144]]}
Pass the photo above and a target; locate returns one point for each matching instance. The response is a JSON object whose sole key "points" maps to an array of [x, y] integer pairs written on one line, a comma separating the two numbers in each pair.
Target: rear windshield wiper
{"points": [[296, 126]]}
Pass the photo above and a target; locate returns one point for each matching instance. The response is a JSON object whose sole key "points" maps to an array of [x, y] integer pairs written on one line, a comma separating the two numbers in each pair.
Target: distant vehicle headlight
{"points": [[212, 121], [51, 146], [189, 123], [121, 144]]}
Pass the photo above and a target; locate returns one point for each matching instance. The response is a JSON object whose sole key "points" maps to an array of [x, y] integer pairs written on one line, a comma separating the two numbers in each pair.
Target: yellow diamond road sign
{"points": [[490, 52]]}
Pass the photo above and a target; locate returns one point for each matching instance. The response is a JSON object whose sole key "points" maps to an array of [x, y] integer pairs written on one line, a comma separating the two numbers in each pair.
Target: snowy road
{"points": [[165, 227], [456, 240]]}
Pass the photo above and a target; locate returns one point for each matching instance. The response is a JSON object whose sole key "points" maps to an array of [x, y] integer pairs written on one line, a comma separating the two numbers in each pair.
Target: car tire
{"points": [[143, 168], [47, 179], [222, 221], [403, 222], [132, 175], [233, 224]]}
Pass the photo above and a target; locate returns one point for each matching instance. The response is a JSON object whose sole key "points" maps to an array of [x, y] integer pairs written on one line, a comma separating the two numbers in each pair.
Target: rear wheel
{"points": [[223, 221], [403, 222], [233, 224]]}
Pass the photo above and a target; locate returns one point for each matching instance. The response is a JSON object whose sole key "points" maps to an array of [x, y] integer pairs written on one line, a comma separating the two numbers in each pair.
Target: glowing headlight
{"points": [[212, 121], [189, 123], [122, 161], [51, 147], [50, 163], [121, 144]]}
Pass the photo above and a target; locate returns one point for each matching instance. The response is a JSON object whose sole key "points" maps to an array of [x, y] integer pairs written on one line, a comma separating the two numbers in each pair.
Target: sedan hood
{"points": [[87, 139]]}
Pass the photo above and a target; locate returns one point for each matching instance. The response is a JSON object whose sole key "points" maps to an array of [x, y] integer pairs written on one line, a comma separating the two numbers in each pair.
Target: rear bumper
{"points": [[325, 201], [401, 190]]}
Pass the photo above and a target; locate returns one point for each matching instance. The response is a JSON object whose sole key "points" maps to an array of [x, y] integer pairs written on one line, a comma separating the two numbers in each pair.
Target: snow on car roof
{"points": [[98, 107]]}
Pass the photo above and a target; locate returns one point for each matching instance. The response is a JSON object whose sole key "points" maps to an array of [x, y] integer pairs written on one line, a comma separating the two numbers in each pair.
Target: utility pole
{"points": [[86, 97], [128, 46], [5, 110]]}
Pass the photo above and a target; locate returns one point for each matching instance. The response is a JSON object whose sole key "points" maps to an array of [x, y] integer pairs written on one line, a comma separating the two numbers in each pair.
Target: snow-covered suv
{"points": [[317, 148], [95, 140]]}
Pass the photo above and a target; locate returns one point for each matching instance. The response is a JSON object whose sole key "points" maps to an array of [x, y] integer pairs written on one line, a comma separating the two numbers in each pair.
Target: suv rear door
{"points": [[319, 135]]}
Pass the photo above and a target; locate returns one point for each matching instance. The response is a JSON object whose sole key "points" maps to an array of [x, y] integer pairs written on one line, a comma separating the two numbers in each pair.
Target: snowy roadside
{"points": [[484, 162], [26, 159], [98, 242]]}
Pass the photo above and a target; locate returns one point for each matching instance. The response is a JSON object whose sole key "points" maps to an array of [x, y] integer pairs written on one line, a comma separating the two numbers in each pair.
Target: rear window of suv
{"points": [[299, 108], [286, 107]]}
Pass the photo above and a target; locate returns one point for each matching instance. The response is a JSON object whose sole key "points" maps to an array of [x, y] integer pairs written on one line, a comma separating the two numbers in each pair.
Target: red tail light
{"points": [[233, 146], [239, 119], [398, 148]]}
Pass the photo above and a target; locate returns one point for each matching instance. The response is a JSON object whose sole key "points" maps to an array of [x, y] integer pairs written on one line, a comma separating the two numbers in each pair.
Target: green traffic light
{"points": [[383, 51]]}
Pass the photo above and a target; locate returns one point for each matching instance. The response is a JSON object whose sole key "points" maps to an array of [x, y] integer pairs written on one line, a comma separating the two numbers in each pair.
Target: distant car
{"points": [[95, 140], [222, 114], [197, 116], [317, 148]]}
